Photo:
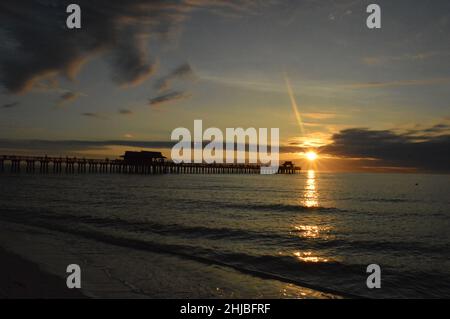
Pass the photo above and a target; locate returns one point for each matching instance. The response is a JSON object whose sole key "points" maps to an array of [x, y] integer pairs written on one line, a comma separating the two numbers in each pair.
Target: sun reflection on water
{"points": [[310, 196], [308, 256], [311, 231]]}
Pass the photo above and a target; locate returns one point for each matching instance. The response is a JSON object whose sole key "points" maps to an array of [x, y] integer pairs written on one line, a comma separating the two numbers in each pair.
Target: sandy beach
{"points": [[20, 278]]}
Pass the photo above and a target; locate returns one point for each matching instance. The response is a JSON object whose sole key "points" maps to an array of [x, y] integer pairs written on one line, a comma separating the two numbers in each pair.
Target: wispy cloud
{"points": [[183, 72], [319, 116], [68, 97], [169, 97], [125, 112], [78, 145], [421, 133], [387, 84], [250, 84], [10, 105], [93, 115], [411, 57]]}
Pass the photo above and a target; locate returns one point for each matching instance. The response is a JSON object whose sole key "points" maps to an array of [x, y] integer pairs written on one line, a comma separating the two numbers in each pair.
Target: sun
{"points": [[311, 156]]}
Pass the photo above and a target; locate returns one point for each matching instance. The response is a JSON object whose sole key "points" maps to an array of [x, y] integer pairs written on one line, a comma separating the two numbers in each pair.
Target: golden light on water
{"points": [[307, 256], [310, 195], [308, 231], [311, 231], [310, 198]]}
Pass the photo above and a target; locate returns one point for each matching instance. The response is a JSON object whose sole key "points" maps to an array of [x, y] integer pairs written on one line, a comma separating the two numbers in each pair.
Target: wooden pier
{"points": [[71, 165]]}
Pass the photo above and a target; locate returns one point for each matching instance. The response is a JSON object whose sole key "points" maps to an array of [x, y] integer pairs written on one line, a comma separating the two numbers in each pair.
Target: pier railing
{"points": [[47, 164]]}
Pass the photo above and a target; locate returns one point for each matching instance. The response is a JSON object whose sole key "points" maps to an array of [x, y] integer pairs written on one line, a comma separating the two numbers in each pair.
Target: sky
{"points": [[368, 99]]}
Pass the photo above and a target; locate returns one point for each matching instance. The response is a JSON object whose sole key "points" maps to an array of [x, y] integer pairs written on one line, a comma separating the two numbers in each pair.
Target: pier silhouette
{"points": [[129, 163]]}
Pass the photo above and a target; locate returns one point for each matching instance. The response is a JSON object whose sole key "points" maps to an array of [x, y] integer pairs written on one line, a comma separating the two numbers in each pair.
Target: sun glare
{"points": [[311, 156]]}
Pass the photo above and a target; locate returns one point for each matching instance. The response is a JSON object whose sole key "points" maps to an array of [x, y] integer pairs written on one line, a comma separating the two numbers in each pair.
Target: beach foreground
{"points": [[37, 267]]}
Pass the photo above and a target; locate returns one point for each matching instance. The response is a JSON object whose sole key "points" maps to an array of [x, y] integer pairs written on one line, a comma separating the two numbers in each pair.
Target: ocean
{"points": [[229, 236]]}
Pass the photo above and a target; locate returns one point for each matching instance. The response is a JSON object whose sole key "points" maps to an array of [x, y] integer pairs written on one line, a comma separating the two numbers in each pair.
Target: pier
{"points": [[126, 165]]}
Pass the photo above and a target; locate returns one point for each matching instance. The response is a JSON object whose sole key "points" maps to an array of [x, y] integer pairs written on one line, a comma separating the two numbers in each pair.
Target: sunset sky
{"points": [[376, 100]]}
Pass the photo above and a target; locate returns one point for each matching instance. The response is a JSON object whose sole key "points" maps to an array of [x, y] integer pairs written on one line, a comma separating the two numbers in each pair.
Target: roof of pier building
{"points": [[142, 156]]}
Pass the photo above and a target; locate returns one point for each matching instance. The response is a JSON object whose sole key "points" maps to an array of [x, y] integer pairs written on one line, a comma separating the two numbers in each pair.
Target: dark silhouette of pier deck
{"points": [[156, 164]]}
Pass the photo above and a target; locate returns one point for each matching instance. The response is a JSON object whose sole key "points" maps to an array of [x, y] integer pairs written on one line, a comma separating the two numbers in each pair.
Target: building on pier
{"points": [[288, 165], [143, 157]]}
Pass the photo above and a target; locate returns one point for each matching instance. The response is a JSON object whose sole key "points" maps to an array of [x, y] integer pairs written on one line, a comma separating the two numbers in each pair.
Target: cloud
{"points": [[373, 60], [168, 97], [319, 115], [125, 112], [77, 145], [132, 65], [375, 85], [435, 130], [68, 97], [10, 105], [82, 145], [38, 46], [390, 149], [93, 115], [420, 56], [183, 71], [438, 128]]}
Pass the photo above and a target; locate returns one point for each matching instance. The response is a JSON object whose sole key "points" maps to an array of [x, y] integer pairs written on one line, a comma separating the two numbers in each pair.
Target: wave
{"points": [[382, 200], [291, 239], [246, 206], [284, 208]]}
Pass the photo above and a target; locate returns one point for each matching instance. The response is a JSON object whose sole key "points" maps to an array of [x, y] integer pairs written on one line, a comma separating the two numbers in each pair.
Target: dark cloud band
{"points": [[421, 151]]}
